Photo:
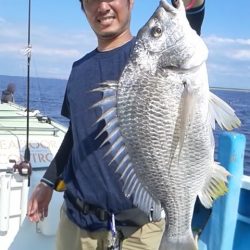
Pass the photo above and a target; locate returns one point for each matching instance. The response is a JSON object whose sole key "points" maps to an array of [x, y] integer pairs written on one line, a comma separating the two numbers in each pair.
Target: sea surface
{"points": [[47, 95]]}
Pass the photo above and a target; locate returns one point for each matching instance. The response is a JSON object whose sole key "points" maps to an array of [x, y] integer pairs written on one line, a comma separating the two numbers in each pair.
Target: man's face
{"points": [[108, 18]]}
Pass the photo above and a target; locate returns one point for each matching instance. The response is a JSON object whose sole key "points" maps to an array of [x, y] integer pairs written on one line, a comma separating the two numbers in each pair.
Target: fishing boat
{"points": [[28, 142], [33, 138]]}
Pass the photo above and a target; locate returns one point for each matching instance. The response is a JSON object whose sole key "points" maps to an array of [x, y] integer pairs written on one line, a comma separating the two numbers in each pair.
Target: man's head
{"points": [[108, 18], [11, 87]]}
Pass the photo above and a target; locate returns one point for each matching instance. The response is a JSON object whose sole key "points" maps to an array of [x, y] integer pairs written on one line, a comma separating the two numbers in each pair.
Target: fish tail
{"points": [[185, 242]]}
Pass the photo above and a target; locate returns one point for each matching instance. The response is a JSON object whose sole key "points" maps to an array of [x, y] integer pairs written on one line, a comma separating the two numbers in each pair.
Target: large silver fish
{"points": [[161, 124]]}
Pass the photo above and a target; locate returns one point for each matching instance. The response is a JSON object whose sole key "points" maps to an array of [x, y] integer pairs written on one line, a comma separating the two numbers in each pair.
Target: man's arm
{"points": [[195, 10], [195, 14], [39, 201], [57, 165]]}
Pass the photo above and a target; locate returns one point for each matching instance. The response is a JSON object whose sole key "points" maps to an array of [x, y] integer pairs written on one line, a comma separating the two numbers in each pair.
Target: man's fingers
{"points": [[42, 213], [36, 212], [34, 217], [38, 215], [45, 212], [32, 208]]}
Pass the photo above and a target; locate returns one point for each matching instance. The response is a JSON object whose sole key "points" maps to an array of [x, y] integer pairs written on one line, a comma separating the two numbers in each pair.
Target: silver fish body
{"points": [[165, 114]]}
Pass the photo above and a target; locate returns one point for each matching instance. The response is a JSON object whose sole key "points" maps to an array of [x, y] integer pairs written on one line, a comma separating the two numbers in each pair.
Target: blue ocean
{"points": [[47, 96]]}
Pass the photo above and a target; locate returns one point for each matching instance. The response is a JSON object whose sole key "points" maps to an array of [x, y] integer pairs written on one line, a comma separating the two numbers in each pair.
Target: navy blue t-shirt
{"points": [[88, 174]]}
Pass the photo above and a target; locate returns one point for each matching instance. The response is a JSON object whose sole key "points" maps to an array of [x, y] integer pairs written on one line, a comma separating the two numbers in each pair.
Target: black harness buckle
{"points": [[82, 206]]}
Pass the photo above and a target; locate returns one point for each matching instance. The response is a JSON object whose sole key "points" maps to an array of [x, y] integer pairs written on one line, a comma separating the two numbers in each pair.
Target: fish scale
{"points": [[144, 142]]}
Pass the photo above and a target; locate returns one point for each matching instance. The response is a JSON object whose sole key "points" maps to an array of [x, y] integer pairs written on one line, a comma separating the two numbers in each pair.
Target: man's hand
{"points": [[189, 4], [193, 3], [39, 202]]}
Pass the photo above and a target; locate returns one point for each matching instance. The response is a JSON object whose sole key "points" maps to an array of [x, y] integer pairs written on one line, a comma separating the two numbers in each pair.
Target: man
{"points": [[94, 201], [8, 93]]}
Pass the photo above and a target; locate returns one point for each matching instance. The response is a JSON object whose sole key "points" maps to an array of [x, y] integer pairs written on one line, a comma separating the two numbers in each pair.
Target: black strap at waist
{"points": [[87, 208], [126, 218]]}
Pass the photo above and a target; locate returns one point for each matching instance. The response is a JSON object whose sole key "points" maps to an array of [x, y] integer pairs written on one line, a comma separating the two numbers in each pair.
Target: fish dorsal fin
{"points": [[214, 186], [222, 113], [132, 186]]}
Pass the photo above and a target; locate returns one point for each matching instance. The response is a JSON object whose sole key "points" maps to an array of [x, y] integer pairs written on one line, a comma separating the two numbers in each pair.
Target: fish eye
{"points": [[156, 31]]}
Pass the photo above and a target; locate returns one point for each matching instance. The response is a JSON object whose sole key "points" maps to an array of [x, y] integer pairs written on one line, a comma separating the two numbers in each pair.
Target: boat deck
{"points": [[45, 136], [14, 121]]}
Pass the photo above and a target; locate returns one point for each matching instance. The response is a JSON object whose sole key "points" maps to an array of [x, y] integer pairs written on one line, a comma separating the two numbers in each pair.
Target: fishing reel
{"points": [[24, 168]]}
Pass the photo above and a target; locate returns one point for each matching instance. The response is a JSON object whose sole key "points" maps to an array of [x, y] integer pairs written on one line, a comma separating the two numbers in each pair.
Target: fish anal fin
{"points": [[215, 185]]}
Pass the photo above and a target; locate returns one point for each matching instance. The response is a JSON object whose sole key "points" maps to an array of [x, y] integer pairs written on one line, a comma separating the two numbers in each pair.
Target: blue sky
{"points": [[60, 35]]}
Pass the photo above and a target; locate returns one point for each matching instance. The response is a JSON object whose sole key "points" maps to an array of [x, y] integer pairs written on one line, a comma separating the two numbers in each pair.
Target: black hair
{"points": [[81, 3]]}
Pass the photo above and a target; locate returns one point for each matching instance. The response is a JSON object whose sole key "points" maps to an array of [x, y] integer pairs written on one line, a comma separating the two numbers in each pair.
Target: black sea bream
{"points": [[161, 124]]}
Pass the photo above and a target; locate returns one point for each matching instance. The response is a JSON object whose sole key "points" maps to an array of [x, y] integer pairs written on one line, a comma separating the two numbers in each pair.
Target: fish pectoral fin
{"points": [[187, 111], [214, 186], [222, 113]]}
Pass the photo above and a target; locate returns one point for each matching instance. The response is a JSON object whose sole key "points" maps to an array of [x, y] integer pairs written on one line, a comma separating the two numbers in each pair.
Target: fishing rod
{"points": [[27, 150], [24, 168]]}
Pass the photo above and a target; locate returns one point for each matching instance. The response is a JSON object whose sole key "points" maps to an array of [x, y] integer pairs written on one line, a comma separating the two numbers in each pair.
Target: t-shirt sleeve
{"points": [[195, 17], [57, 165]]}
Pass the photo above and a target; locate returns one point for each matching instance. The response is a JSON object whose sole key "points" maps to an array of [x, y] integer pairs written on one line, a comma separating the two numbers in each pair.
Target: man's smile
{"points": [[105, 20]]}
